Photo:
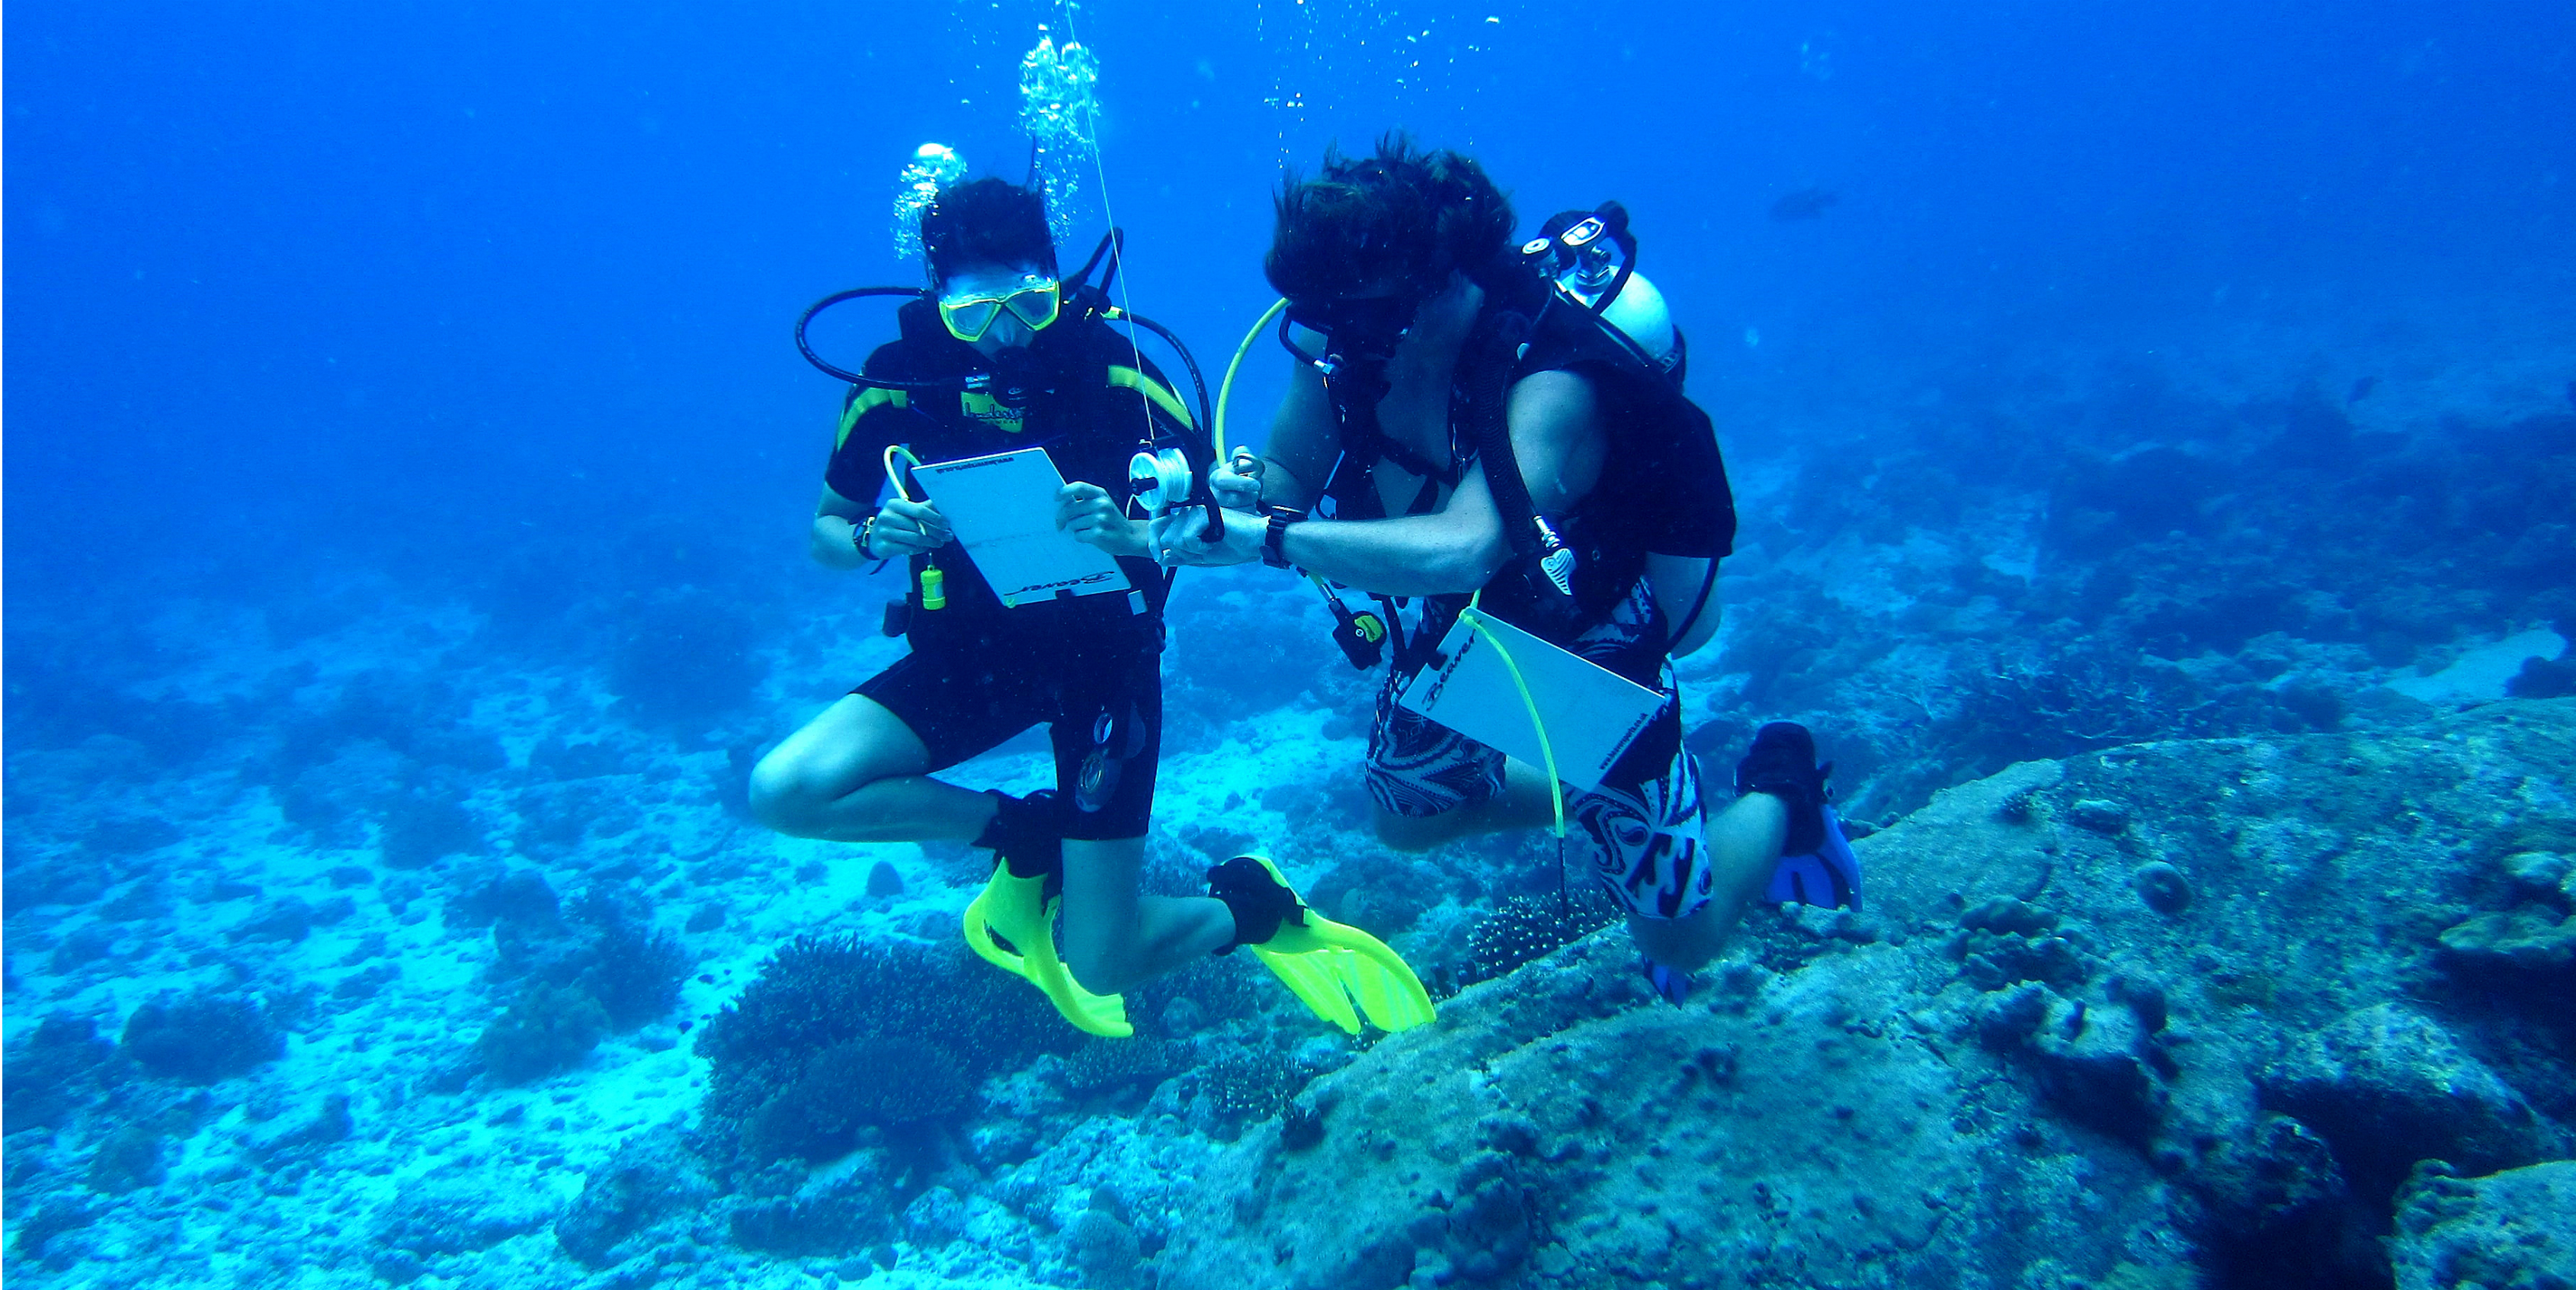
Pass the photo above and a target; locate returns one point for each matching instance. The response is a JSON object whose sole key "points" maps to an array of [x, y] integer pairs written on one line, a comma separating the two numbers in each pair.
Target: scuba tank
{"points": [[1639, 312], [1573, 251], [1588, 259], [1572, 255]]}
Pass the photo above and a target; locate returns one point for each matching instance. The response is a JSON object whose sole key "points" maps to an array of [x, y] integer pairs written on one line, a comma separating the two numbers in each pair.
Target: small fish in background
{"points": [[2361, 390], [1806, 203]]}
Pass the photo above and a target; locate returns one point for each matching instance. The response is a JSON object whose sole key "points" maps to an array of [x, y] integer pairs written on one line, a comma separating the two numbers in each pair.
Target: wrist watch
{"points": [[1280, 518], [860, 533]]}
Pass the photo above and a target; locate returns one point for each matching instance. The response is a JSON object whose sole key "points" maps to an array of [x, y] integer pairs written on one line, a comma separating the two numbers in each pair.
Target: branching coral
{"points": [[822, 1008]]}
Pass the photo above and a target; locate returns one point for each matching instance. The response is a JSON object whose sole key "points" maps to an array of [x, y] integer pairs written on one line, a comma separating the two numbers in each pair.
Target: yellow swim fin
{"points": [[1019, 910], [1331, 966]]}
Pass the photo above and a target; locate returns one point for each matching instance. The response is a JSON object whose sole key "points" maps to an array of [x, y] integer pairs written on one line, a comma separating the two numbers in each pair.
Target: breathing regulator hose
{"points": [[894, 477], [1225, 388], [1167, 479], [843, 374]]}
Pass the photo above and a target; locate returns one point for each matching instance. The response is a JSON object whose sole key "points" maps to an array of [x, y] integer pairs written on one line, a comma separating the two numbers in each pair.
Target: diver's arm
{"points": [[834, 538], [1556, 433], [902, 528], [1557, 438], [1298, 457], [1454, 549]]}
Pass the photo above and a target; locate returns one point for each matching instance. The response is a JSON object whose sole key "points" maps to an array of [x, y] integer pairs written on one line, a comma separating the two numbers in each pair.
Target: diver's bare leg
{"points": [[1524, 803], [1114, 939], [1743, 848], [854, 774]]}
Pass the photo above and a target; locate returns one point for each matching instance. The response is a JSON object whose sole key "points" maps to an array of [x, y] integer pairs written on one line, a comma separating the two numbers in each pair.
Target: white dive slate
{"points": [[1592, 714], [1003, 508]]}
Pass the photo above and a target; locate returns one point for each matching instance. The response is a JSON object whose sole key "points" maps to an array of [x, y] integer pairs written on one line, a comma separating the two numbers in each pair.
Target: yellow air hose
{"points": [[1225, 389], [1475, 617]]}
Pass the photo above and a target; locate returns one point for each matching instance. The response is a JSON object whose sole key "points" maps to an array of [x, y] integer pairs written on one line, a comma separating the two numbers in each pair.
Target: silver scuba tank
{"points": [[1581, 264]]}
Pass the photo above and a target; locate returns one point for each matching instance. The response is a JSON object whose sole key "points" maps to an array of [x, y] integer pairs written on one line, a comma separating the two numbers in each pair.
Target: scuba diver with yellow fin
{"points": [[1499, 429], [1002, 353]]}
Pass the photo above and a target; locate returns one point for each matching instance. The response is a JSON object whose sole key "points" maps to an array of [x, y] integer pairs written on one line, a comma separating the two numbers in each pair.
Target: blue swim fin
{"points": [[1828, 877]]}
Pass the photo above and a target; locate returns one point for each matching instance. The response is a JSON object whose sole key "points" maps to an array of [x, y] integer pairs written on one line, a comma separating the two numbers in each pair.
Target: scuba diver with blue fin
{"points": [[1002, 353], [1500, 430]]}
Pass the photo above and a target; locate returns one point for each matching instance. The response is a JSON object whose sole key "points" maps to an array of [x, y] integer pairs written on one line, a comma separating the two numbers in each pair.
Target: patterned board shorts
{"points": [[1647, 838]]}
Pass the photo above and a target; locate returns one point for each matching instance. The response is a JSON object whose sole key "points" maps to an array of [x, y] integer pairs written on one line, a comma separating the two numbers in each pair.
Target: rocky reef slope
{"points": [[2170, 1014], [2286, 1011]]}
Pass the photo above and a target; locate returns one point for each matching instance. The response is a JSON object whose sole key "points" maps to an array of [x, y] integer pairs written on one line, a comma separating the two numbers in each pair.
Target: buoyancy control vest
{"points": [[1562, 304]]}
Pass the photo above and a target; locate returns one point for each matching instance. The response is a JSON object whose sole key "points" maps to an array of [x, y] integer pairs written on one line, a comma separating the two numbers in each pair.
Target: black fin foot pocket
{"points": [[1028, 834], [1782, 762]]}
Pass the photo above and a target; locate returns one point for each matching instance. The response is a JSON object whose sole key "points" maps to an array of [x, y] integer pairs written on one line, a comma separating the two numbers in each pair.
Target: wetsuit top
{"points": [[1092, 403]]}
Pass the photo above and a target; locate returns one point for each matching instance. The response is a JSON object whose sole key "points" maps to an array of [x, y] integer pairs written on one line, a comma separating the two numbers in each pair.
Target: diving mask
{"points": [[1034, 300], [1356, 329]]}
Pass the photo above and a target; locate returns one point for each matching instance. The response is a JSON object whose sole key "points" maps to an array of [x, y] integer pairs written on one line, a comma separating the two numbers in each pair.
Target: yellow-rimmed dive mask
{"points": [[1034, 300]]}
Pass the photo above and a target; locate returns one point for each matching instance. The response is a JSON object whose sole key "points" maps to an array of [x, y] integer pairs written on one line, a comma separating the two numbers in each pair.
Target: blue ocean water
{"points": [[408, 471]]}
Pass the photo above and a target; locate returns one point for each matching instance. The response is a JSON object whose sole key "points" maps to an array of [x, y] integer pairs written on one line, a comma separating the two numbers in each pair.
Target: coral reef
{"points": [[859, 1082], [2513, 1229], [548, 1028], [53, 1071], [202, 1037], [576, 975], [1531, 927], [652, 1182], [835, 1035], [442, 951], [2122, 1094]]}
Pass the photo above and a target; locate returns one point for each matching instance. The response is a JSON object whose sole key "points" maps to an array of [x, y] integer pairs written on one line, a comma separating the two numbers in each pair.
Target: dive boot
{"points": [[1011, 924], [1329, 965]]}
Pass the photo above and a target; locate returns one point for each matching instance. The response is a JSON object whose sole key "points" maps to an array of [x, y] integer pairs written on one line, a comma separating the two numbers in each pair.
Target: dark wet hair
{"points": [[1404, 213], [986, 221]]}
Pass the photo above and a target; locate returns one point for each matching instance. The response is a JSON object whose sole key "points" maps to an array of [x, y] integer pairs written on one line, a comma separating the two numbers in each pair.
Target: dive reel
{"points": [[1164, 480], [1161, 479]]}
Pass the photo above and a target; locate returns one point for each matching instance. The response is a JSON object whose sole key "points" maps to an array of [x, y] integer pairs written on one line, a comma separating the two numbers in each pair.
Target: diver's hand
{"points": [[1180, 537], [1089, 513], [1236, 484], [905, 528]]}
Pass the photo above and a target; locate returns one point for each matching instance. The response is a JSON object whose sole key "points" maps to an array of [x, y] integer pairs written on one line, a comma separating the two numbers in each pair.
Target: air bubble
{"points": [[1060, 110], [934, 166]]}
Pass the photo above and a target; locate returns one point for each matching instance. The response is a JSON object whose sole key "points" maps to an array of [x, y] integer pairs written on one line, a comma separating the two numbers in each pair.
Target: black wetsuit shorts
{"points": [[1100, 695]]}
